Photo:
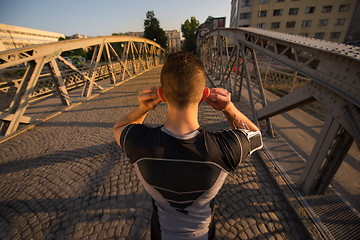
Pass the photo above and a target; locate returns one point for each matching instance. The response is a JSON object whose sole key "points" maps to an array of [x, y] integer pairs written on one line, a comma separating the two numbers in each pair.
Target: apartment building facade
{"points": [[173, 40], [15, 37], [321, 19]]}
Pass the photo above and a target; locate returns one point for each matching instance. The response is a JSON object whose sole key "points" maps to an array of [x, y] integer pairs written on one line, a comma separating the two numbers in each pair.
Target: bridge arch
{"points": [[138, 54]]}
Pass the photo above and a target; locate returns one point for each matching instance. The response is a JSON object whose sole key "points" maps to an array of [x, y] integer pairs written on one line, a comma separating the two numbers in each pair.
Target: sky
{"points": [[104, 17]]}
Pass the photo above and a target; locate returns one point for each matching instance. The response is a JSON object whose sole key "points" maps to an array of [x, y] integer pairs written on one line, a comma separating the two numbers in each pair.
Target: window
{"points": [[293, 11], [245, 3], [245, 15], [334, 35], [344, 7], [277, 12], [246, 25], [262, 25], [323, 22], [264, 1], [304, 34], [306, 23], [275, 25], [262, 13], [319, 35], [339, 21], [290, 24], [326, 9], [310, 10], [279, 0]]}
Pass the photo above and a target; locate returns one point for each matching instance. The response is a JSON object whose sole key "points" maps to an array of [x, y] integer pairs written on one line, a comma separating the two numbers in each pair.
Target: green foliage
{"points": [[153, 31], [75, 52], [189, 30]]}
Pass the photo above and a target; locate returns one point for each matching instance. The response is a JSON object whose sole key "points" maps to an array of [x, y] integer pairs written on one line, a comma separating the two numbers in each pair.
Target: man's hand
{"points": [[219, 99], [149, 99]]}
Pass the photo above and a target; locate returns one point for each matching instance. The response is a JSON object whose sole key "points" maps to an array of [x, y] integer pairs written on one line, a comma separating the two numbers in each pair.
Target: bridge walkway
{"points": [[67, 179]]}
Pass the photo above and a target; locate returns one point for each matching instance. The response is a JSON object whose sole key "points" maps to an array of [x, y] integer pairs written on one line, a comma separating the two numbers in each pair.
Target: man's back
{"points": [[180, 165], [183, 174]]}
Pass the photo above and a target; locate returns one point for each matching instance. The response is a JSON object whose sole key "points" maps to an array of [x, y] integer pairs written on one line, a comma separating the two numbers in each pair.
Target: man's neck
{"points": [[182, 121]]}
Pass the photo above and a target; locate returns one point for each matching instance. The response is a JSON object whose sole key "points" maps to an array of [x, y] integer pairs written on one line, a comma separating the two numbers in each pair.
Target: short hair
{"points": [[183, 79]]}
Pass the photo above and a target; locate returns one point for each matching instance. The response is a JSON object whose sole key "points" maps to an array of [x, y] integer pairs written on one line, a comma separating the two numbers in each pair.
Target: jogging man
{"points": [[179, 164]]}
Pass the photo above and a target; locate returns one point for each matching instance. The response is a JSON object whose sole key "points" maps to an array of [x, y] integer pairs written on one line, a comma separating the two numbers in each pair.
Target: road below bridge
{"points": [[67, 179]]}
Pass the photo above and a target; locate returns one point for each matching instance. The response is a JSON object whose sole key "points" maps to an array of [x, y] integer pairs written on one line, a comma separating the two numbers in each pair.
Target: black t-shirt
{"points": [[183, 173]]}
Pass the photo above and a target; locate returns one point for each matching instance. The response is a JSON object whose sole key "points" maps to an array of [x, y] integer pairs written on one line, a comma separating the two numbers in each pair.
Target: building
{"points": [[134, 34], [210, 24], [321, 19], [76, 36], [173, 40], [15, 37], [353, 33]]}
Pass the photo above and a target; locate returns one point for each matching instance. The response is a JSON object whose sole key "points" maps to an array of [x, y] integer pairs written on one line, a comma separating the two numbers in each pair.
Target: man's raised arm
{"points": [[148, 99], [220, 99]]}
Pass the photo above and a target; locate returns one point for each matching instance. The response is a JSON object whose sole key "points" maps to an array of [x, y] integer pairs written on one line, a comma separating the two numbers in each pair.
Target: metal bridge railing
{"points": [[47, 71], [316, 71]]}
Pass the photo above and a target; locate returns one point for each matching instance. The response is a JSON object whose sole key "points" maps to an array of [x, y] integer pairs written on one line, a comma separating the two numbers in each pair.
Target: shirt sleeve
{"points": [[124, 140], [247, 142], [232, 146]]}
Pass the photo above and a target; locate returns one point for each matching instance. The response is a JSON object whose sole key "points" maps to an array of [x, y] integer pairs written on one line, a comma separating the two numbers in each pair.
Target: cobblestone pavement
{"points": [[67, 179]]}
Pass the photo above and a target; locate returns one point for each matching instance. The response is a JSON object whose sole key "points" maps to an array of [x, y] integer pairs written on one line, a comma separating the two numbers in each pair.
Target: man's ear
{"points": [[206, 93], [160, 93]]}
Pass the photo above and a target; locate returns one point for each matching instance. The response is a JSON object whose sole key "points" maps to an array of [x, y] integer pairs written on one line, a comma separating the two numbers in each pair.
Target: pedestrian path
{"points": [[67, 179]]}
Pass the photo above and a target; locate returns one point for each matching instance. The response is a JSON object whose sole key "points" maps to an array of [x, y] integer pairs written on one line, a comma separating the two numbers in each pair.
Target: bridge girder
{"points": [[334, 73], [139, 53]]}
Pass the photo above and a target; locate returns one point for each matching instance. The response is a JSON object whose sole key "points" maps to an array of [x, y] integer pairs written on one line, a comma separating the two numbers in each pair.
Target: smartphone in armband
{"points": [[255, 140]]}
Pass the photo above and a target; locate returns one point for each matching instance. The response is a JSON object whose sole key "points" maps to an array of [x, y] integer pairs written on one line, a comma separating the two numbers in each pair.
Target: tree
{"points": [[189, 29], [153, 31], [76, 52]]}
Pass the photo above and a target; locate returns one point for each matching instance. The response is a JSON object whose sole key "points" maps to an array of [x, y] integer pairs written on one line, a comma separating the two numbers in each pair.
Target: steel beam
{"points": [[352, 114], [20, 101], [234, 79], [293, 100], [126, 58], [78, 71], [58, 82], [121, 63], [36, 57], [93, 70], [334, 72], [338, 151], [9, 117], [313, 58], [21, 55], [261, 91], [248, 83], [318, 154], [109, 64]]}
